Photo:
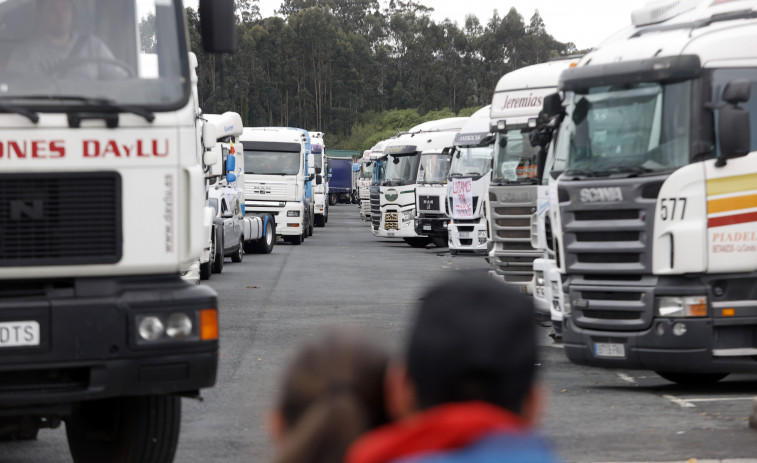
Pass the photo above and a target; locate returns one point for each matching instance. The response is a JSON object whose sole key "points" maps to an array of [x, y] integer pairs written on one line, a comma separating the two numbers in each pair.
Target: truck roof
{"points": [[476, 129], [440, 125], [271, 134], [717, 31], [430, 135], [228, 124]]}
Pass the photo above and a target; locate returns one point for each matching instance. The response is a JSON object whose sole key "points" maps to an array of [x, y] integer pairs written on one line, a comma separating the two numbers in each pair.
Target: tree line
{"points": [[337, 65]]}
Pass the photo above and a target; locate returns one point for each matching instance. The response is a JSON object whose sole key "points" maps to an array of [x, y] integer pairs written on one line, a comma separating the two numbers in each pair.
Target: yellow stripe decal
{"points": [[731, 204], [725, 185]]}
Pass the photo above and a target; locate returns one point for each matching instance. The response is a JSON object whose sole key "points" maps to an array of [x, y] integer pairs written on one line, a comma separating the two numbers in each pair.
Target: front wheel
{"points": [[332, 199], [217, 257], [125, 429], [265, 244], [440, 241], [296, 240], [418, 242], [692, 379], [239, 255]]}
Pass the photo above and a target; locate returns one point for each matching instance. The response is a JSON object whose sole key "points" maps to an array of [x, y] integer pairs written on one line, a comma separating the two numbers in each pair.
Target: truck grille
{"points": [[60, 219], [375, 207], [511, 208], [391, 221]]}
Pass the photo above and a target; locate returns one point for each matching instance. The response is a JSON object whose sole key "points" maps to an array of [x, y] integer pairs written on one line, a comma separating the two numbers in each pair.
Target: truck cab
{"points": [[468, 185], [276, 177], [102, 331], [378, 157], [517, 101], [321, 187], [398, 188], [365, 177], [656, 234], [431, 194]]}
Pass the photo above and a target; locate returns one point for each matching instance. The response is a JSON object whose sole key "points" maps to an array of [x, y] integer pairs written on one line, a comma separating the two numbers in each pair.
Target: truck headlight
{"points": [[682, 306], [151, 328], [407, 215], [178, 326], [293, 213], [539, 278]]}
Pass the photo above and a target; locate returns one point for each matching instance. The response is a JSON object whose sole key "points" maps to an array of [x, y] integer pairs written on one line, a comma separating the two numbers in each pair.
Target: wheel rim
{"points": [[268, 233]]}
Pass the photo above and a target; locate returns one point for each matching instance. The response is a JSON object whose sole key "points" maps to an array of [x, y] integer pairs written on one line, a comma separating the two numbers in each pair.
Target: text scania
{"points": [[140, 149], [597, 195]]}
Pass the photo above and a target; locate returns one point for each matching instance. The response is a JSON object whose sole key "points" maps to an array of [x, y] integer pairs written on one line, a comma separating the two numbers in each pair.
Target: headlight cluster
{"points": [[293, 213], [566, 307], [156, 328], [539, 278], [407, 215], [682, 306]]}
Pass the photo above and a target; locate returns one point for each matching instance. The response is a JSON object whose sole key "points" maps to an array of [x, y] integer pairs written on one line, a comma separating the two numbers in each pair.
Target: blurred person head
{"points": [[332, 393], [473, 340], [55, 19]]}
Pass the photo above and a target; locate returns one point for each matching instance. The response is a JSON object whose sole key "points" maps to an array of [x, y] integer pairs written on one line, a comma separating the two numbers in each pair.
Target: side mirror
{"points": [[733, 122], [318, 170], [210, 158], [311, 177], [552, 105], [231, 163], [319, 179], [231, 178], [209, 136], [581, 111], [218, 26]]}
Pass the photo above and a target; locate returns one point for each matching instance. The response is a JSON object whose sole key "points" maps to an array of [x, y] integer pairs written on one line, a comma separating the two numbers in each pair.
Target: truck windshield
{"points": [[271, 162], [514, 158], [630, 129], [401, 170], [434, 168], [366, 170], [74, 53], [379, 172], [471, 161]]}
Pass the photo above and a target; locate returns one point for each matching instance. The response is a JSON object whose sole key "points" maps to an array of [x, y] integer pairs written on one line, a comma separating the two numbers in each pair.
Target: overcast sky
{"points": [[584, 22]]}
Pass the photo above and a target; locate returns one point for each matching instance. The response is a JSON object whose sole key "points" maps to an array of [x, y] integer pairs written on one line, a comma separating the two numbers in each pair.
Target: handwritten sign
{"points": [[462, 198]]}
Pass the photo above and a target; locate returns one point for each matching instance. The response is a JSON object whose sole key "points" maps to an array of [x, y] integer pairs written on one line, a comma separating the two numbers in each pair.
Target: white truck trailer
{"points": [[103, 205], [398, 188], [656, 233], [469, 176], [275, 178], [516, 103]]}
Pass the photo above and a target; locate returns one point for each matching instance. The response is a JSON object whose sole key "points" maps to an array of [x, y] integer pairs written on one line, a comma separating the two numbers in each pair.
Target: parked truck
{"points": [[517, 101], [276, 177], [103, 207], [379, 170], [398, 212], [469, 176], [341, 180], [365, 177], [320, 191], [656, 233]]}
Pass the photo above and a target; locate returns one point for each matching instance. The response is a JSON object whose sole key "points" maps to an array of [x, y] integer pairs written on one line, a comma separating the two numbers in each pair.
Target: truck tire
{"points": [[265, 244], [418, 242], [355, 198], [216, 265], [310, 229], [125, 429], [692, 379], [320, 221], [205, 271], [332, 199], [239, 255], [326, 216]]}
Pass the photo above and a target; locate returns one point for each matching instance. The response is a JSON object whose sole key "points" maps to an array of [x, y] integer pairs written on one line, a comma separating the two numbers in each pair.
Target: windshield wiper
{"points": [[580, 173], [631, 170], [27, 113], [100, 103]]}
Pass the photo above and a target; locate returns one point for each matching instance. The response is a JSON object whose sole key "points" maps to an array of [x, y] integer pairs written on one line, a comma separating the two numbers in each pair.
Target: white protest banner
{"points": [[462, 198]]}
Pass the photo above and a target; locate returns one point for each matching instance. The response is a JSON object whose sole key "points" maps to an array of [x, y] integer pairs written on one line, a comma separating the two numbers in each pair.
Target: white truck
{"points": [[101, 208], [656, 233], [378, 159], [364, 180], [320, 191], [276, 173], [517, 101], [468, 185]]}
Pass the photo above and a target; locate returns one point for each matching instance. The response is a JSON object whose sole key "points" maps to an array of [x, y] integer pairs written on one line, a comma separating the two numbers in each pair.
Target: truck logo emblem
{"points": [[20, 210], [391, 195], [596, 195], [583, 303]]}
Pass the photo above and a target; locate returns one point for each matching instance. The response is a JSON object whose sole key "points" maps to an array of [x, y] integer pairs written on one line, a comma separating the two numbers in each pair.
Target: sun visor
{"points": [[663, 70], [471, 139], [271, 146], [401, 150]]}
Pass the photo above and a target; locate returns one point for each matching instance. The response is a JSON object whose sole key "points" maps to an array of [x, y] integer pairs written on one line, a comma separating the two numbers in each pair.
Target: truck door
{"points": [[732, 189]]}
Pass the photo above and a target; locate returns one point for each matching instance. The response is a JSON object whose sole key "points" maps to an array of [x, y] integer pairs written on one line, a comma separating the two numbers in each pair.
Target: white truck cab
{"points": [[468, 185], [275, 176], [656, 234], [398, 187], [320, 189]]}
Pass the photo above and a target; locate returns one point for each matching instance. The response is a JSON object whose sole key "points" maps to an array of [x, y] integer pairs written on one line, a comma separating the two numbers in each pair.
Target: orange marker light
{"points": [[698, 310], [729, 312], [208, 324]]}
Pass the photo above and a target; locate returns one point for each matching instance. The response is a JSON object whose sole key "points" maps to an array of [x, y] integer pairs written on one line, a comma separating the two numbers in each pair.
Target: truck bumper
{"points": [[542, 290], [285, 225], [468, 238], [89, 345], [431, 226]]}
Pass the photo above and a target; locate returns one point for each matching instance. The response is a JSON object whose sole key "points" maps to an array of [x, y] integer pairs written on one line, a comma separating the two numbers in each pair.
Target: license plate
{"points": [[15, 334], [465, 234], [608, 349], [390, 234], [427, 227]]}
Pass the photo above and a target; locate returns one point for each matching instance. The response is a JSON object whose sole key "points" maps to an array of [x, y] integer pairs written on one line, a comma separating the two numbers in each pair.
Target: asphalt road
{"points": [[344, 276]]}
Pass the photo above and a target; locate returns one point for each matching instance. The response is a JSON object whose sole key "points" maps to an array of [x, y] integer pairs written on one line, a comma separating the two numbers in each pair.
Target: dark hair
{"points": [[333, 393], [473, 339]]}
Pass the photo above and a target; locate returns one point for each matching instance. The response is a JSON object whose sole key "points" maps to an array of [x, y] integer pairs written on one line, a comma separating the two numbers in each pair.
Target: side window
{"points": [[720, 78], [224, 206]]}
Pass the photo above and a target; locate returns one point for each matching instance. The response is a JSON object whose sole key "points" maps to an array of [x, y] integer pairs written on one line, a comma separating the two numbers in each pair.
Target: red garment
{"points": [[444, 427]]}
